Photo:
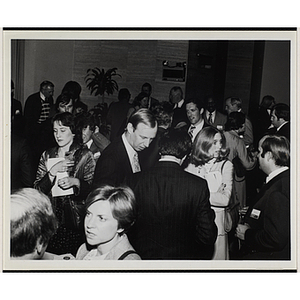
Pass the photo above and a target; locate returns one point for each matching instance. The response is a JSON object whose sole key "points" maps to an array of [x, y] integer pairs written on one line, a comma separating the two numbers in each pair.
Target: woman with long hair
{"points": [[208, 160]]}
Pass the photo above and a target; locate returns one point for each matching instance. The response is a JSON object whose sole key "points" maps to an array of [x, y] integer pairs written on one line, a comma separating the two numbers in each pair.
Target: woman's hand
{"points": [[68, 182], [241, 230], [61, 166]]}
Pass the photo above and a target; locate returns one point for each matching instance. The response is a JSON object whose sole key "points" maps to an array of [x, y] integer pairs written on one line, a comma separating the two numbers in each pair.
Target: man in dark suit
{"points": [[147, 89], [176, 98], [265, 235], [38, 111], [22, 173], [280, 119], [211, 116], [175, 219], [117, 114], [120, 158], [87, 129], [194, 111]]}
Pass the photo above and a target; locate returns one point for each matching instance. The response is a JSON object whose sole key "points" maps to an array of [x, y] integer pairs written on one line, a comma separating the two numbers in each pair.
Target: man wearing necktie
{"points": [[178, 102], [265, 234], [119, 160], [194, 111], [38, 111], [211, 116]]}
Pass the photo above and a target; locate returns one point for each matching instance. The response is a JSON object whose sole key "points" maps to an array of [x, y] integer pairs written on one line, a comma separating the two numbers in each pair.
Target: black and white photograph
{"points": [[168, 149]]}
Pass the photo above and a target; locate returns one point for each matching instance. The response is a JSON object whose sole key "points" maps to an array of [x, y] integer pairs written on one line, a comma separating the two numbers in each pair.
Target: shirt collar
{"points": [[130, 151], [180, 103], [199, 124], [282, 125], [89, 143], [170, 158], [275, 173], [208, 113], [42, 96]]}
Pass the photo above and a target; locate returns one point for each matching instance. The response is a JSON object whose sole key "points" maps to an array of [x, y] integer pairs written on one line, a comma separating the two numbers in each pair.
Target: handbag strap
{"points": [[125, 254]]}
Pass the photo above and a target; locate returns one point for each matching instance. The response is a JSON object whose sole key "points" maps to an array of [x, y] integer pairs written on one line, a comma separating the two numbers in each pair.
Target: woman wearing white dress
{"points": [[208, 160]]}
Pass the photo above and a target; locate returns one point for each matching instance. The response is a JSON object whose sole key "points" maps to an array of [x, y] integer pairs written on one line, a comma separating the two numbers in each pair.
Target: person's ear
{"points": [[201, 111], [268, 155], [39, 247], [130, 128]]}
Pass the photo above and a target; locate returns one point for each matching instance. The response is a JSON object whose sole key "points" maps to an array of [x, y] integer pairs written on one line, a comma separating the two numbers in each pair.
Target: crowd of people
{"points": [[173, 179]]}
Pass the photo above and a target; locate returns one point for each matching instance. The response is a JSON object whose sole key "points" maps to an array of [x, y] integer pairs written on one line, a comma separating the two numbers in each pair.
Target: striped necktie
{"points": [[191, 130]]}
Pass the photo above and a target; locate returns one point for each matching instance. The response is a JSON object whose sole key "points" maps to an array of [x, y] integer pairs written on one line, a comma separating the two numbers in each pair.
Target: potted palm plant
{"points": [[100, 82]]}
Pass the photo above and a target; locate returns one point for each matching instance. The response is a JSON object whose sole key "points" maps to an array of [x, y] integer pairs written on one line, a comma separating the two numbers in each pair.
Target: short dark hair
{"points": [[45, 84], [147, 84], [282, 110], [177, 89], [199, 103], [279, 146], [32, 219], [63, 98], [202, 144], [140, 97], [124, 94], [73, 88], [122, 202], [66, 119], [175, 142], [267, 101], [235, 121], [87, 119], [144, 116]]}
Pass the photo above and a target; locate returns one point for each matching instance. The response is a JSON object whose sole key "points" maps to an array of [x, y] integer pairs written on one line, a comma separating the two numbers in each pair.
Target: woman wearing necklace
{"points": [[208, 160], [65, 174]]}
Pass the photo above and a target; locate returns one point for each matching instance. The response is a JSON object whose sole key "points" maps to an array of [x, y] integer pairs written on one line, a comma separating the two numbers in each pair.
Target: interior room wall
{"points": [[47, 60], [137, 61], [276, 71]]}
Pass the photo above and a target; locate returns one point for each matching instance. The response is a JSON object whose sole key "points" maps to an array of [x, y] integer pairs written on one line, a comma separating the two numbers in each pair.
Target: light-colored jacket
{"points": [[114, 254]]}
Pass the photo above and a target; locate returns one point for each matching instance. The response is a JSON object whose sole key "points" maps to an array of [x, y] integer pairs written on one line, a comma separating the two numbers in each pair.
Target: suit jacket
{"points": [[269, 236], [33, 108], [116, 117], [40, 136], [175, 220], [22, 172], [179, 116], [113, 165], [285, 130], [220, 120]]}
